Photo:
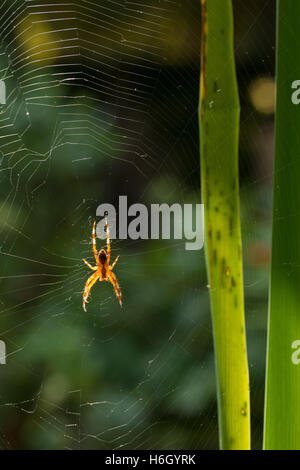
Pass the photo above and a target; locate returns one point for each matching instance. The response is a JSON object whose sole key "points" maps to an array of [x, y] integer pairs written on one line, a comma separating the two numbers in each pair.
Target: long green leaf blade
{"points": [[282, 410], [219, 130]]}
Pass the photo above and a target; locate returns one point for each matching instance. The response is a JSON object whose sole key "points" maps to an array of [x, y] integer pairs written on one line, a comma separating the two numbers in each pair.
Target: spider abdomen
{"points": [[102, 256]]}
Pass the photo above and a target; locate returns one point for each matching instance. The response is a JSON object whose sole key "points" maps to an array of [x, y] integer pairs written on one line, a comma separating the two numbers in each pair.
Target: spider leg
{"points": [[94, 243], [88, 285], [114, 263], [89, 265], [112, 278], [107, 242]]}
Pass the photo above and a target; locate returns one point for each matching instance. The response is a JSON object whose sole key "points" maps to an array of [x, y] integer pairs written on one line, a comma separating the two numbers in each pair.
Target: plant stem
{"points": [[219, 130], [282, 408]]}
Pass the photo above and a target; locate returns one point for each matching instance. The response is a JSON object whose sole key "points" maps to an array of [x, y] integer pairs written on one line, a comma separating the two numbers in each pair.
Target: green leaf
{"points": [[219, 131], [282, 409]]}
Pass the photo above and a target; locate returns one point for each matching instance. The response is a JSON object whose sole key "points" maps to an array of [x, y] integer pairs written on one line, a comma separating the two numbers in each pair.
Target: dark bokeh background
{"points": [[102, 101]]}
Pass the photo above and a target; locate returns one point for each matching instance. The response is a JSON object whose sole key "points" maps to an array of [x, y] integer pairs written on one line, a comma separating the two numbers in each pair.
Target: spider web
{"points": [[102, 101]]}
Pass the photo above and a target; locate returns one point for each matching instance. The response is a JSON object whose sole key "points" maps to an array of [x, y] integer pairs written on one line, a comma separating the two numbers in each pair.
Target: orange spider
{"points": [[102, 268]]}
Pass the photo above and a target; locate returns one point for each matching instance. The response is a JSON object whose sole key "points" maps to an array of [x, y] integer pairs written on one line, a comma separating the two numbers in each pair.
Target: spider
{"points": [[102, 268]]}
